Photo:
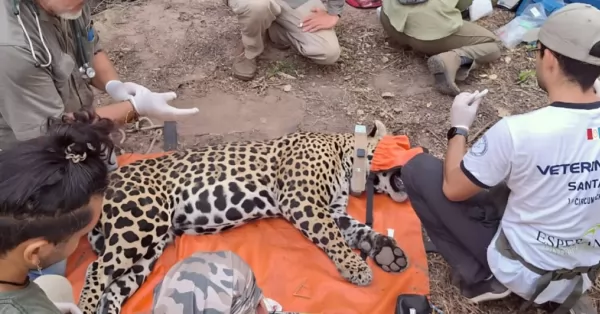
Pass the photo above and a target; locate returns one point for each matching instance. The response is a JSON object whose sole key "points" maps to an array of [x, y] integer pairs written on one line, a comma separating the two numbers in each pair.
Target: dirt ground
{"points": [[188, 46]]}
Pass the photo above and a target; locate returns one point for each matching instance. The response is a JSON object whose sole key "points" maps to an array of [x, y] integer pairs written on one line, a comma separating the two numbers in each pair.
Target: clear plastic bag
{"points": [[479, 9], [508, 4], [512, 33]]}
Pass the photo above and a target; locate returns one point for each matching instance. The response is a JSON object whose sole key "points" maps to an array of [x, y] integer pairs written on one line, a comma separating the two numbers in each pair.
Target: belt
{"points": [[546, 276]]}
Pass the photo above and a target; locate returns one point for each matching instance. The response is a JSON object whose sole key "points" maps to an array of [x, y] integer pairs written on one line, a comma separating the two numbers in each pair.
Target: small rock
{"points": [[287, 88], [507, 60], [428, 105], [347, 78], [397, 110], [493, 77], [384, 59], [360, 112], [387, 95]]}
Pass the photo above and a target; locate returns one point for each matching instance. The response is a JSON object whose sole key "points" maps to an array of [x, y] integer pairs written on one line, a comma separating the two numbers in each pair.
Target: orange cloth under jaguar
{"points": [[393, 151], [289, 268]]}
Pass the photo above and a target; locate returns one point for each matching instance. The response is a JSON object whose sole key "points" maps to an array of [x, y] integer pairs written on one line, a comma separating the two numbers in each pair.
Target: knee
{"points": [[326, 54], [419, 167], [493, 54], [253, 10]]}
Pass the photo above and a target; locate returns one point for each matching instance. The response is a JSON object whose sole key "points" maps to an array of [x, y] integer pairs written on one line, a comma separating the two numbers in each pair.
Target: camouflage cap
{"points": [[209, 283]]}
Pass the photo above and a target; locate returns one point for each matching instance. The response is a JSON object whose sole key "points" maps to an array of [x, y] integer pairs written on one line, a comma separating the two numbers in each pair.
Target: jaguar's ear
{"points": [[379, 130]]}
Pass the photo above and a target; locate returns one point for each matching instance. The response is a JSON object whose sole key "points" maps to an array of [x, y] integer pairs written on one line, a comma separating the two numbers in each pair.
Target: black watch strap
{"points": [[457, 131]]}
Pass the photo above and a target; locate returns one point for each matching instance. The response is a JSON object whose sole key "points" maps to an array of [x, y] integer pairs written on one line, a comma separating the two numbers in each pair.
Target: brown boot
{"points": [[244, 68], [444, 66]]}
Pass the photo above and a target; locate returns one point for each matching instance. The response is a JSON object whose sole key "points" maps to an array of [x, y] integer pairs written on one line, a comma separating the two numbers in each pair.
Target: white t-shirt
{"points": [[550, 159]]}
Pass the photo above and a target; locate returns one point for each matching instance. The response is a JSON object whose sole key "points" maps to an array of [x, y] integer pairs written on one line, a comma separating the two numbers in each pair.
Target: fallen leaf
{"points": [[286, 76], [502, 112]]}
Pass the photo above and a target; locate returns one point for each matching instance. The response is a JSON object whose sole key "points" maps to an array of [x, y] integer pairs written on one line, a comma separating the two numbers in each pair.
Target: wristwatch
{"points": [[457, 131]]}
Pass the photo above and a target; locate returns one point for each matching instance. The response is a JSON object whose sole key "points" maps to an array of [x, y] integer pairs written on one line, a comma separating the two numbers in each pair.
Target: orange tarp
{"points": [[289, 268]]}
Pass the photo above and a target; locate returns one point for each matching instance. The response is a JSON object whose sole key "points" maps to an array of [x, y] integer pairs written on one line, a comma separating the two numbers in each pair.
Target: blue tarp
{"points": [[553, 5]]}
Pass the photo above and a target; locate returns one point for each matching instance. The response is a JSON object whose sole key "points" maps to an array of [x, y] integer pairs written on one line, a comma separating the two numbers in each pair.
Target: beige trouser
{"points": [[470, 40], [256, 17]]}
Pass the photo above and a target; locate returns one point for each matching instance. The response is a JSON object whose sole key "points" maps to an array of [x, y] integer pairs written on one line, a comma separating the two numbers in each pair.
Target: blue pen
{"points": [[90, 32]]}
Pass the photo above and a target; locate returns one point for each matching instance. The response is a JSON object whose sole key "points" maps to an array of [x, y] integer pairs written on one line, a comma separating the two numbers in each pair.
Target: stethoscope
{"points": [[86, 69], [85, 65]]}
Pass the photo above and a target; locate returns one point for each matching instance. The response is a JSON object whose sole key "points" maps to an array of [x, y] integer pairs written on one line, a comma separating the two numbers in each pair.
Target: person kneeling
{"points": [[518, 213], [436, 28], [306, 25]]}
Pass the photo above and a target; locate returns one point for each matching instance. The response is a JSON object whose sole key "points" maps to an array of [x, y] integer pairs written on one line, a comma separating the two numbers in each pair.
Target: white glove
{"points": [[67, 308], [464, 108], [116, 90], [148, 103], [597, 87]]}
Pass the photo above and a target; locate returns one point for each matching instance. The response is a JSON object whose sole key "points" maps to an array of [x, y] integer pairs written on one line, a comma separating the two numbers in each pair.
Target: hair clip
{"points": [[75, 158]]}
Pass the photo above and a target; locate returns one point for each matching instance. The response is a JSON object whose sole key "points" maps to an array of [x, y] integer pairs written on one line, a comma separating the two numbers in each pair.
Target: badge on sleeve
{"points": [[480, 147]]}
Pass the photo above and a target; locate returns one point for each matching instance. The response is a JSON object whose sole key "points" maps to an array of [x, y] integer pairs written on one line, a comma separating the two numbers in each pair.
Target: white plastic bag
{"points": [[512, 33], [479, 9]]}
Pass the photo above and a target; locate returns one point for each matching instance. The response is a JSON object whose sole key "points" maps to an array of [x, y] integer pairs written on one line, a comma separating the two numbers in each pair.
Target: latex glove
{"points": [[116, 90], [154, 105], [597, 87], [464, 108], [67, 308]]}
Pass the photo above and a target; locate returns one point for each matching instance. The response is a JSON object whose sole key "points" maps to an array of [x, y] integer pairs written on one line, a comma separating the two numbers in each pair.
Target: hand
{"points": [[154, 105], [464, 108], [318, 20], [67, 308], [116, 90]]}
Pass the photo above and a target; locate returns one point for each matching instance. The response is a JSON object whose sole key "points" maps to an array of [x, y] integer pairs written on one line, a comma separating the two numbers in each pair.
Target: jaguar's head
{"points": [[387, 182]]}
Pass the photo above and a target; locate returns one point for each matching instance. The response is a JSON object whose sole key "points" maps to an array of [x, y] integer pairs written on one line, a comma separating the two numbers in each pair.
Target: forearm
{"points": [[105, 70], [457, 146], [120, 113], [335, 7]]}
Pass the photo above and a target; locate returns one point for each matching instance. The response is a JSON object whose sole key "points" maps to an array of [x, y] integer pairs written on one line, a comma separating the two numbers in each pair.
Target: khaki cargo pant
{"points": [[257, 17], [470, 40]]}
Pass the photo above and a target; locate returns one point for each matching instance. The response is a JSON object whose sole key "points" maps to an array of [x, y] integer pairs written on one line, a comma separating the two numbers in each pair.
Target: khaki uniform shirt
{"points": [[30, 94], [432, 20]]}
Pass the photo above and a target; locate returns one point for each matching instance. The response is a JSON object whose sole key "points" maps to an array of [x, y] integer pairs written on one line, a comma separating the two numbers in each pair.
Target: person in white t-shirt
{"points": [[524, 201]]}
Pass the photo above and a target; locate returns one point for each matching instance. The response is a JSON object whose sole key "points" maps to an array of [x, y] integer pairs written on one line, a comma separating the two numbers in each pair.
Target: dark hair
{"points": [[43, 192], [584, 74]]}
